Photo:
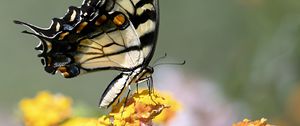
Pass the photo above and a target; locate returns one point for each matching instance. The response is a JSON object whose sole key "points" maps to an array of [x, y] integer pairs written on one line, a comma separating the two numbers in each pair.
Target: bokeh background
{"points": [[242, 60]]}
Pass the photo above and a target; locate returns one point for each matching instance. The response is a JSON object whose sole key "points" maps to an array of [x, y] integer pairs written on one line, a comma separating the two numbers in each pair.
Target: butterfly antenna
{"points": [[160, 58], [184, 62]]}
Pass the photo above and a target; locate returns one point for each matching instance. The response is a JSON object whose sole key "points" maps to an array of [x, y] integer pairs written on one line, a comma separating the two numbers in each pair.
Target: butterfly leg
{"points": [[150, 88], [128, 93], [151, 84], [126, 98], [137, 88]]}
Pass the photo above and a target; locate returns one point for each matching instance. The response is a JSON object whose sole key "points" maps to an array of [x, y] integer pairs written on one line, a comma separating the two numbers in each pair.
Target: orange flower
{"points": [[165, 116], [142, 108], [246, 122]]}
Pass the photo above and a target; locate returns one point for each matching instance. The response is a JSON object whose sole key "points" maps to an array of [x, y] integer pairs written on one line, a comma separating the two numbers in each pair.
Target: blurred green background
{"points": [[249, 47]]}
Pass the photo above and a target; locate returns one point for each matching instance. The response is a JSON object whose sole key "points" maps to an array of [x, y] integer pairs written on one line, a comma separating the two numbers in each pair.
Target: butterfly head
{"points": [[145, 74]]}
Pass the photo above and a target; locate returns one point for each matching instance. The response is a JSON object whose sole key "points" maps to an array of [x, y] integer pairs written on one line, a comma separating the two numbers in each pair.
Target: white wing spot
{"points": [[141, 10], [146, 27], [57, 27], [72, 18]]}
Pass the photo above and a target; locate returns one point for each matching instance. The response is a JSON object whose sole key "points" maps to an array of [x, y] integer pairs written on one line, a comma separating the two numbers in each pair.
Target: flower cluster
{"points": [[45, 109], [78, 121], [142, 108], [246, 122]]}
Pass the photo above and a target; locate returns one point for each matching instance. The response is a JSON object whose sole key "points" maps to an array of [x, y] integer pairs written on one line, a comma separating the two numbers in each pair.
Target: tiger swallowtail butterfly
{"points": [[101, 35]]}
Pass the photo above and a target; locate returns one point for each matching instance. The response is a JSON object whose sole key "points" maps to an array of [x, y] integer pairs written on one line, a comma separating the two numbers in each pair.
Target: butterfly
{"points": [[102, 35]]}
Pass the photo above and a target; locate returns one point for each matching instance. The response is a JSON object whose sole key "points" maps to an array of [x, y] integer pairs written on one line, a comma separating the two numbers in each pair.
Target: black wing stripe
{"points": [[148, 38], [143, 2], [96, 42], [90, 53], [145, 16], [133, 48], [111, 44]]}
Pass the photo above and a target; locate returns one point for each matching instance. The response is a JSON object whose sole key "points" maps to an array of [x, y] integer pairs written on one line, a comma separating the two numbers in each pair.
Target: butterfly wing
{"points": [[118, 49], [88, 39], [101, 35], [144, 15]]}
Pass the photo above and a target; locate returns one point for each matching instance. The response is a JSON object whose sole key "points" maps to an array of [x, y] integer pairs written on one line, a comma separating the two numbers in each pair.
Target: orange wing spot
{"points": [[81, 26], [49, 46], [63, 71], [49, 61], [66, 74], [63, 35], [119, 19], [100, 20]]}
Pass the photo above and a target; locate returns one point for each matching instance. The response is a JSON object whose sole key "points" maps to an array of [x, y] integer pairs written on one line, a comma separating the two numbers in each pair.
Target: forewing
{"points": [[144, 15], [89, 38], [116, 49]]}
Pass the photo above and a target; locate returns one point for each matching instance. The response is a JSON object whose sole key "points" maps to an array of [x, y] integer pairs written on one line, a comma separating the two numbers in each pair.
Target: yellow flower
{"points": [[104, 121], [170, 112], [45, 109], [246, 122], [142, 108]]}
